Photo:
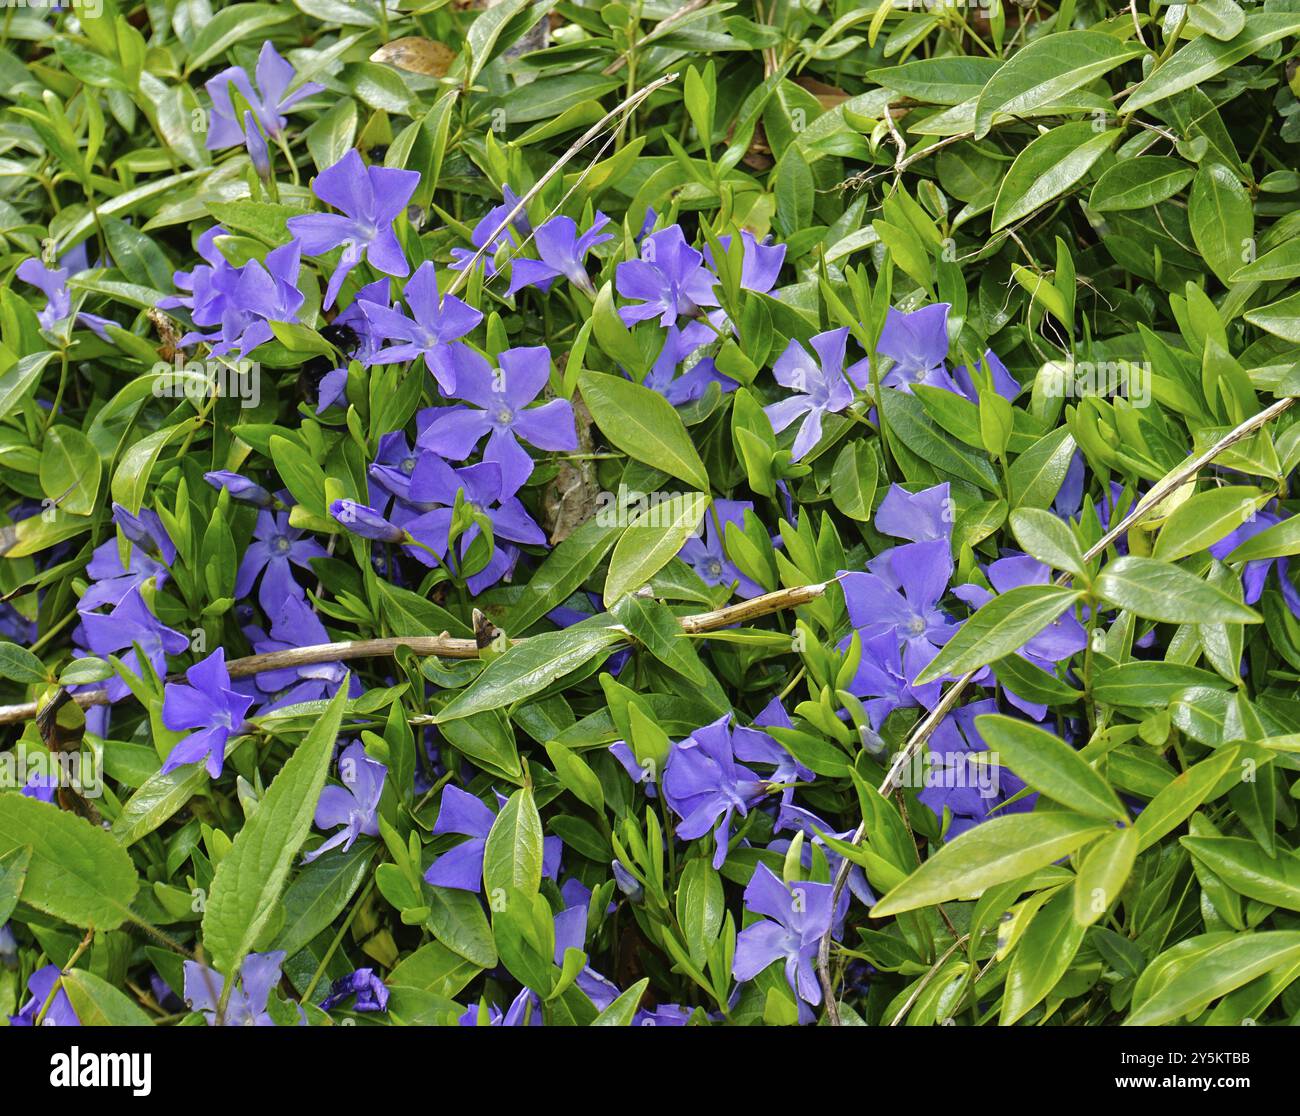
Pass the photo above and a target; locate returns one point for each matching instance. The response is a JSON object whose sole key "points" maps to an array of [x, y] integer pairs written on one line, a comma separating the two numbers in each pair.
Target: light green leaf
{"points": [[250, 879], [1049, 166], [1049, 765], [1157, 590], [994, 852], [77, 871]]}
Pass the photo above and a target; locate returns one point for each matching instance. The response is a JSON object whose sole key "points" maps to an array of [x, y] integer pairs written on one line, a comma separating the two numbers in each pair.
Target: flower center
{"points": [[916, 626], [408, 465], [281, 544], [504, 416], [713, 567]]}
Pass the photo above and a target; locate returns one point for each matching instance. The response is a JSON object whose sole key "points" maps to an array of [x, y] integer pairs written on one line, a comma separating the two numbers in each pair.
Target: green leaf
{"points": [[1042, 955], [70, 470], [623, 1010], [1203, 519], [1139, 183], [576, 775], [1203, 58], [1158, 590], [908, 421], [320, 892], [701, 906], [651, 541], [250, 879], [1278, 541], [1037, 474], [17, 664], [158, 798], [1102, 874], [1001, 626], [530, 667], [1046, 70], [13, 874], [854, 479], [653, 626], [998, 850], [644, 425], [1248, 870], [1049, 166], [1282, 262], [565, 569], [19, 379], [98, 1004], [1049, 765], [1149, 685], [1174, 805], [1221, 218], [77, 871], [512, 858], [1217, 972], [1048, 539]]}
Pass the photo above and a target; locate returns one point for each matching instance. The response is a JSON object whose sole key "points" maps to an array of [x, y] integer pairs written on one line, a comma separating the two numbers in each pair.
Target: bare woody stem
{"points": [[445, 646], [1162, 488]]}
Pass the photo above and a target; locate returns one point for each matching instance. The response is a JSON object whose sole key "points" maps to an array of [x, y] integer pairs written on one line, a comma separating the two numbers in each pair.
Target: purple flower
{"points": [[524, 1011], [797, 917], [130, 625], [354, 805], [370, 991], [1255, 572], [918, 345], [260, 295], [365, 521], [954, 777], [152, 551], [665, 1015], [670, 279], [705, 786], [209, 705], [462, 867], [369, 200], [811, 826], [258, 153], [40, 787], [269, 101], [40, 984], [820, 386], [210, 287], [760, 263], [707, 556], [295, 625], [485, 230], [1062, 638], [501, 410], [571, 933], [643, 774], [437, 484], [1069, 498], [884, 676], [680, 346], [363, 340], [918, 516], [258, 975], [901, 595], [759, 747], [274, 548], [563, 253], [53, 283], [431, 332], [999, 378], [239, 487]]}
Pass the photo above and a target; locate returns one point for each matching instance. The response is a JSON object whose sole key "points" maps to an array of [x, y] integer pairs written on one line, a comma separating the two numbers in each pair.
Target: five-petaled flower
{"points": [[369, 200], [208, 705]]}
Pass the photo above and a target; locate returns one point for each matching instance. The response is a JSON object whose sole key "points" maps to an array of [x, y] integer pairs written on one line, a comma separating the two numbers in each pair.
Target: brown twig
{"points": [[445, 646]]}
